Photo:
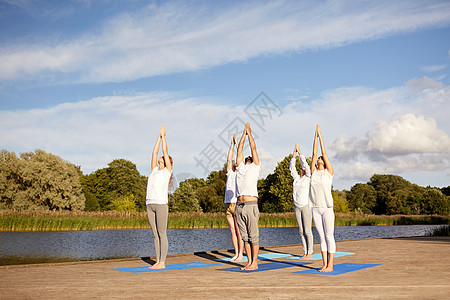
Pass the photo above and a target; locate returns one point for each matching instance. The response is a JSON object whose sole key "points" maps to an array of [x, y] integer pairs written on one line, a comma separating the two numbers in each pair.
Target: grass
{"points": [[79, 220], [443, 230]]}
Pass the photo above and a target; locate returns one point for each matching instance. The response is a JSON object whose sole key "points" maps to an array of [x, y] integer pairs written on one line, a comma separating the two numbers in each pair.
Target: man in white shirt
{"points": [[247, 212]]}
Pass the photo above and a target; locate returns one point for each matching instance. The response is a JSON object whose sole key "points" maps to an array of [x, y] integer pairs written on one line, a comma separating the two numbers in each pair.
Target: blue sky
{"points": [[92, 81]]}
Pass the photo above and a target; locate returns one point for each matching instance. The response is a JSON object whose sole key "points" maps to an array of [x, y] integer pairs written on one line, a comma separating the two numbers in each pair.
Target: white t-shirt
{"points": [[320, 191], [158, 186], [247, 179], [301, 184], [230, 191]]}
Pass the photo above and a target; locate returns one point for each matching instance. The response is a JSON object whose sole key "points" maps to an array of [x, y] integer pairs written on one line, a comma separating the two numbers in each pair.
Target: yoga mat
{"points": [[264, 256], [181, 266], [340, 269], [318, 256], [269, 266]]}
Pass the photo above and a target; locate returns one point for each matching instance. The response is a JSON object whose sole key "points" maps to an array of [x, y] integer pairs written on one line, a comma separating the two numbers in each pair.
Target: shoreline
{"points": [[39, 256]]}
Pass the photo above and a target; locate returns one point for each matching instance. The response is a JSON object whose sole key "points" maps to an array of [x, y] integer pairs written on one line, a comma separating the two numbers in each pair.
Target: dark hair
{"points": [[171, 175], [248, 158]]}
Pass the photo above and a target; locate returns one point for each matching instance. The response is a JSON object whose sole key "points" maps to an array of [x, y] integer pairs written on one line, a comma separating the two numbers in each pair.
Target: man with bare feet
{"points": [[247, 212]]}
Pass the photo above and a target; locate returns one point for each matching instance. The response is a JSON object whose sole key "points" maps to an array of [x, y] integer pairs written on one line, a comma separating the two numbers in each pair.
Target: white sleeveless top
{"points": [[247, 179], [158, 186], [230, 190], [320, 189]]}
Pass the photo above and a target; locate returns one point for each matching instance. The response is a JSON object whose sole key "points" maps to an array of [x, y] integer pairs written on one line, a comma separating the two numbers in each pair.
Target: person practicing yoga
{"points": [[301, 201], [247, 212], [157, 199], [230, 204], [321, 202]]}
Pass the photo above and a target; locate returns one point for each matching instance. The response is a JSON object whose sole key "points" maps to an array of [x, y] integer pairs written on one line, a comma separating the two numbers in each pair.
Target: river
{"points": [[60, 246]]}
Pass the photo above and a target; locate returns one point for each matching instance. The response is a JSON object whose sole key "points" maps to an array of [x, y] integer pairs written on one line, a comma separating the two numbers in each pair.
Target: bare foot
{"points": [[323, 268], [306, 256], [157, 266], [328, 269], [245, 267], [156, 263], [252, 267], [233, 258], [239, 258]]}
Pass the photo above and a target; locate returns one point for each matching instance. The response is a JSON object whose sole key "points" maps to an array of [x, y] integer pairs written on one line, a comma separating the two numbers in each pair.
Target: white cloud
{"points": [[399, 131], [433, 68], [408, 135], [174, 37]]}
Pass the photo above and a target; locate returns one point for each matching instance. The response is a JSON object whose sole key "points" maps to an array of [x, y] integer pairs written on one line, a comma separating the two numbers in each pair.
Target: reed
{"points": [[79, 220], [443, 230]]}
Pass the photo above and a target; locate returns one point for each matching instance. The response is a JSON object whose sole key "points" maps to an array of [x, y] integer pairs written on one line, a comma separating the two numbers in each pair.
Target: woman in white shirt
{"points": [[321, 202], [157, 199], [300, 188], [230, 204]]}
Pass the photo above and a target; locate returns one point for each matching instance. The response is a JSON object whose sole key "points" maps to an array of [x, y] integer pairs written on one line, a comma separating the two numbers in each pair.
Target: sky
{"points": [[93, 81]]}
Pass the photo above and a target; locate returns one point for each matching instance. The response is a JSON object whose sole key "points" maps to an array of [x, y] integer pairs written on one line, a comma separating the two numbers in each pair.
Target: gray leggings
{"points": [[304, 220], [157, 215]]}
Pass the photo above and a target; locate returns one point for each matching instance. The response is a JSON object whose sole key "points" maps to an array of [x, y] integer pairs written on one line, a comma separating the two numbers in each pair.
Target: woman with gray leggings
{"points": [[301, 201], [157, 199]]}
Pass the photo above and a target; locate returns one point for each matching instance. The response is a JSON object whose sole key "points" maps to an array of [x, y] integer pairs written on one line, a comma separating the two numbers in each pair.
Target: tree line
{"points": [[41, 180]]}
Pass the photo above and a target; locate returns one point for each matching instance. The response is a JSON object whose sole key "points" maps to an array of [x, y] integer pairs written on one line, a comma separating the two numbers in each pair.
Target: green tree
{"points": [[10, 179], [91, 203], [340, 203], [39, 180], [362, 197], [392, 193], [120, 179], [446, 190], [435, 202], [185, 197], [211, 196]]}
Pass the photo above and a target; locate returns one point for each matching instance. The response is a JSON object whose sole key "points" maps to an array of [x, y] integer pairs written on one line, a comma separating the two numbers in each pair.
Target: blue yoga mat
{"points": [[269, 266], [264, 256], [318, 256], [340, 269], [181, 266]]}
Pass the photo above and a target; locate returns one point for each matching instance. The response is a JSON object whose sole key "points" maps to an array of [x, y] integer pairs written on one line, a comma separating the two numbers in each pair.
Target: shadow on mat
{"points": [[148, 260], [213, 255]]}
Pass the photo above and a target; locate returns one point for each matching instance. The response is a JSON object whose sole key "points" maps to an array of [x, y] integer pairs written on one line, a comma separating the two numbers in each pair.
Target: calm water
{"points": [[57, 246]]}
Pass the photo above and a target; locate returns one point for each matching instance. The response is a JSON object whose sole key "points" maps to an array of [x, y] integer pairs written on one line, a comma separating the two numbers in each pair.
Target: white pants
{"points": [[324, 221]]}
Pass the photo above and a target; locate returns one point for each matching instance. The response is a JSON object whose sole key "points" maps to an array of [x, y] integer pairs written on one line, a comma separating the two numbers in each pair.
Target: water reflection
{"points": [[58, 246]]}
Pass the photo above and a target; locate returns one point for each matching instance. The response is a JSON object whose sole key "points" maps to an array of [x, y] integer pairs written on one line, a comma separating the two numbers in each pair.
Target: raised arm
{"points": [[240, 155], [167, 162], [295, 150], [326, 160], [230, 154], [155, 152], [252, 145], [314, 155], [292, 167], [303, 161]]}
